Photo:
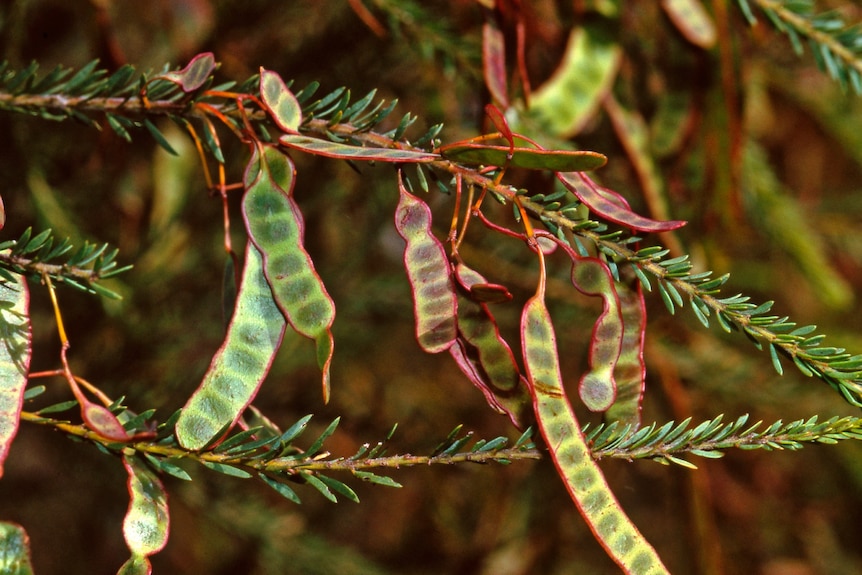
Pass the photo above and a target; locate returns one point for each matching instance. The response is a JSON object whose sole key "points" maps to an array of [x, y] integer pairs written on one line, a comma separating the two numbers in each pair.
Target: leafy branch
{"points": [[837, 48], [38, 256], [713, 437], [279, 287], [349, 127], [264, 450], [273, 454]]}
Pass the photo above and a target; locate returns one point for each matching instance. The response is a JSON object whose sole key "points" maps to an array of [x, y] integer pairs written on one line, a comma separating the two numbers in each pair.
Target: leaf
{"points": [[568, 447], [573, 94], [295, 430], [241, 363], [329, 149], [276, 227], [14, 550], [226, 469], [147, 523], [692, 20], [776, 363], [435, 303], [15, 353], [315, 482], [597, 387], [339, 487], [160, 138], [282, 489], [378, 479], [321, 439], [587, 191], [529, 158], [194, 75], [279, 101]]}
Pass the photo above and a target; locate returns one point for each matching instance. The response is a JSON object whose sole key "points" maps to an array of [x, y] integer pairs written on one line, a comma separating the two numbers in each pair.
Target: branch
{"points": [[835, 46], [712, 437]]}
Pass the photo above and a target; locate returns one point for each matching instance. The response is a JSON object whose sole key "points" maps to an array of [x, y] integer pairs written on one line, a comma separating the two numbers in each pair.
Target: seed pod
{"points": [[479, 290], [434, 301], [279, 101], [569, 450], [586, 190], [597, 387], [241, 363], [630, 372], [276, 227], [147, 522], [15, 544], [494, 60], [329, 149], [14, 358], [519, 157], [194, 75], [491, 365]]}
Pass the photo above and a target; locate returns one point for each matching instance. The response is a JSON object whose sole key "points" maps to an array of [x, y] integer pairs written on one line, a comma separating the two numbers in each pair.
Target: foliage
{"points": [[523, 180]]}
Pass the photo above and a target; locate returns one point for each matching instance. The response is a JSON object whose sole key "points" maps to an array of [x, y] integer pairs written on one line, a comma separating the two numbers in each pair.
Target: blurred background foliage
{"points": [[763, 158]]}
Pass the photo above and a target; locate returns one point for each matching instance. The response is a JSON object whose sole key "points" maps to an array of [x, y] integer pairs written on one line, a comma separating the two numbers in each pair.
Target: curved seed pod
{"points": [[147, 522], [490, 293], [597, 387], [275, 225], [435, 305], [329, 149], [583, 479], [529, 158], [478, 287], [493, 368], [241, 363], [630, 372], [587, 191], [15, 352], [466, 358]]}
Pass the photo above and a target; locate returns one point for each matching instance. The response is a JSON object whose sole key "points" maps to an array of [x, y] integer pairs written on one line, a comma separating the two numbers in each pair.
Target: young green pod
{"points": [[569, 450], [597, 387], [435, 304], [241, 363], [275, 225], [337, 150], [630, 372], [147, 523], [15, 544], [279, 101], [14, 358]]}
